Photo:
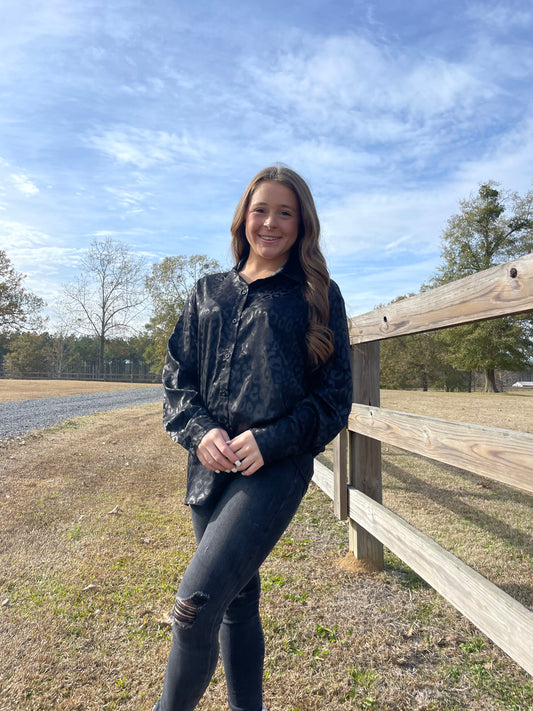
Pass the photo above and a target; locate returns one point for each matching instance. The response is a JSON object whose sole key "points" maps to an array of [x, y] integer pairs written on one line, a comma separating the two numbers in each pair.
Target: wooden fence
{"points": [[109, 378], [506, 456]]}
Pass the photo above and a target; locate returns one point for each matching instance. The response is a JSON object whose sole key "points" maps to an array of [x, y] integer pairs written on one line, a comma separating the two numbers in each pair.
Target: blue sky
{"points": [[144, 121]]}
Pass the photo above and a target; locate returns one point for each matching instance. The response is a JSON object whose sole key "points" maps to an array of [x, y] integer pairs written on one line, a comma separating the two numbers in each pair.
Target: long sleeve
{"points": [[185, 416], [317, 418]]}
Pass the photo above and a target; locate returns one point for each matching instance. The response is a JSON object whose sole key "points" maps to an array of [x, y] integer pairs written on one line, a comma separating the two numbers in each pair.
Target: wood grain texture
{"points": [[503, 290], [323, 478], [504, 620], [502, 455], [340, 468], [365, 452]]}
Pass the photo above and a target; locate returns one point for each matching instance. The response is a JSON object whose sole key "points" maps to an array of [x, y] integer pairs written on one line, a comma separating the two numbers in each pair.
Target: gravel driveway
{"points": [[19, 417]]}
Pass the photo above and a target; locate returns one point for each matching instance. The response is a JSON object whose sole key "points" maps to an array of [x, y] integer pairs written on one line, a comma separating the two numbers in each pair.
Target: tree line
{"points": [[105, 333], [60, 356], [102, 314], [492, 227]]}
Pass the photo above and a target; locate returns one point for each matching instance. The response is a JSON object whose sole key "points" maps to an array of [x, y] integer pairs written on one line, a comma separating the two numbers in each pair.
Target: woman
{"points": [[257, 382]]}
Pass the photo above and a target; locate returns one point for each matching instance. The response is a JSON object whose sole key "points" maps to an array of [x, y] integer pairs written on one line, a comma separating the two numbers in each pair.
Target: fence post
{"points": [[365, 452], [340, 475]]}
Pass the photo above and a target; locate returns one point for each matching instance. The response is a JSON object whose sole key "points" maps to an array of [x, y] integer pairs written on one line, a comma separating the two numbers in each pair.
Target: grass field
{"points": [[94, 539]]}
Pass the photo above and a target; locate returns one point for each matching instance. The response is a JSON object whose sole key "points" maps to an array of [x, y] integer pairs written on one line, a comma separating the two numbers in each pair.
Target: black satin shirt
{"points": [[237, 359]]}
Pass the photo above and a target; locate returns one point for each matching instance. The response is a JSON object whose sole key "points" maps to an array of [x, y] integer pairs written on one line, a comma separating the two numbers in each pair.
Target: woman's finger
{"points": [[214, 452], [249, 455]]}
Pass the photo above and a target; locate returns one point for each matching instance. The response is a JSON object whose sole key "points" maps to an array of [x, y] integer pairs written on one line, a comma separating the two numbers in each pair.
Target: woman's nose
{"points": [[269, 221]]}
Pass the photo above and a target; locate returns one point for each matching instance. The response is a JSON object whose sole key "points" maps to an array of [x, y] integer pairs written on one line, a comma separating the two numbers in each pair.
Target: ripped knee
{"points": [[184, 611]]}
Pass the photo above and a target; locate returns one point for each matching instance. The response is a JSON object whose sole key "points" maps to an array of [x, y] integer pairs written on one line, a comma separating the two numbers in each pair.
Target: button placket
{"points": [[227, 353]]}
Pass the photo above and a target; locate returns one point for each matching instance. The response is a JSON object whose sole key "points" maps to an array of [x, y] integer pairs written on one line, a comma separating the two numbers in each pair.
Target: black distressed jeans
{"points": [[218, 598]]}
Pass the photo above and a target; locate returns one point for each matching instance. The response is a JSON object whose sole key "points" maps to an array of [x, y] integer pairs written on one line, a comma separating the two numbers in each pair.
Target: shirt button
{"points": [[234, 320], [226, 356], [244, 291]]}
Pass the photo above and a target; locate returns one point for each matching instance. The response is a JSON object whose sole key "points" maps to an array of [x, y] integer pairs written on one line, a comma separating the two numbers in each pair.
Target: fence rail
{"points": [[501, 291], [502, 455], [505, 456], [109, 378]]}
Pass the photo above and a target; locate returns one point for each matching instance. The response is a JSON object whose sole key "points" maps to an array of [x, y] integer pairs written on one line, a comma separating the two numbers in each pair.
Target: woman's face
{"points": [[272, 222]]}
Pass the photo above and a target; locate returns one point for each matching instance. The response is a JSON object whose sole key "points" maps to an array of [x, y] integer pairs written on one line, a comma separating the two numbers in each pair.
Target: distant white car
{"points": [[523, 384]]}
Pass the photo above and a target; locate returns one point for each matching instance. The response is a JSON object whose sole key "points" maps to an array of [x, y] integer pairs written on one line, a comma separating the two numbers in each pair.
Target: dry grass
{"points": [[83, 590], [511, 410], [486, 524], [11, 390]]}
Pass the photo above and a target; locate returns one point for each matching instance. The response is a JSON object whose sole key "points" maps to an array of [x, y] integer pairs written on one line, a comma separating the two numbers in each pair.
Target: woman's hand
{"points": [[247, 453], [215, 453]]}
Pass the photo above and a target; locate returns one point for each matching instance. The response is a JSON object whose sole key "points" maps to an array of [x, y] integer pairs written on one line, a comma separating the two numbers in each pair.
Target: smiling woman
{"points": [[271, 388]]}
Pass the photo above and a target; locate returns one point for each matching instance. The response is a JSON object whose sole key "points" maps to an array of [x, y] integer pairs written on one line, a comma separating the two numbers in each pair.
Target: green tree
{"points": [[414, 361], [108, 295], [83, 355], [169, 284], [138, 345], [19, 308], [491, 228], [484, 234], [29, 354]]}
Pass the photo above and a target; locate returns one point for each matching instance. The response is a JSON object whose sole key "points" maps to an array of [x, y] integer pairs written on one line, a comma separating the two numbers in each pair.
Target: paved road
{"points": [[19, 417]]}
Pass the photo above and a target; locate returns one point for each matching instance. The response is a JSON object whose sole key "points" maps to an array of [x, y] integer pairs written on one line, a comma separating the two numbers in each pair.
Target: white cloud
{"points": [[23, 184], [54, 19], [152, 87], [507, 161], [501, 17], [392, 222], [35, 253], [139, 232], [395, 220], [131, 201], [150, 122], [373, 91], [368, 284], [145, 148], [17, 236]]}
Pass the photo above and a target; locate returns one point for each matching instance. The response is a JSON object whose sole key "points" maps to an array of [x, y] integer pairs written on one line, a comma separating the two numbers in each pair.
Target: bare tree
{"points": [[108, 295]]}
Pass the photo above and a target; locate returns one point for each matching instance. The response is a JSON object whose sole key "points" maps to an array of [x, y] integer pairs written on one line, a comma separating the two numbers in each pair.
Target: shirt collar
{"points": [[291, 269]]}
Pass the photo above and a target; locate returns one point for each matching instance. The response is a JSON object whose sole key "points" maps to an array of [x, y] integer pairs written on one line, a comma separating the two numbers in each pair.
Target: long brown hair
{"points": [[319, 337]]}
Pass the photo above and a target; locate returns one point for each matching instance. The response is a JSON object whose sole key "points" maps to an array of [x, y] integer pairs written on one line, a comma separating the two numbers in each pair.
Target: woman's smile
{"points": [[270, 238]]}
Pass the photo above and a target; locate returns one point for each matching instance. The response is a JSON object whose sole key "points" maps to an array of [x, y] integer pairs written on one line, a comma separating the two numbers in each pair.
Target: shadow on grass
{"points": [[455, 502]]}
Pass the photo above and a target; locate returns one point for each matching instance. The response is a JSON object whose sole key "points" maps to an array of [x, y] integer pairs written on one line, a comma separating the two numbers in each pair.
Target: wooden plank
{"points": [[365, 452], [340, 468], [323, 478], [502, 455], [499, 616], [502, 290]]}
